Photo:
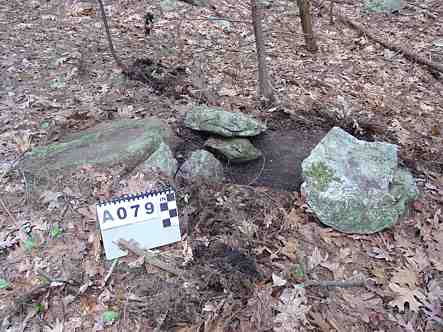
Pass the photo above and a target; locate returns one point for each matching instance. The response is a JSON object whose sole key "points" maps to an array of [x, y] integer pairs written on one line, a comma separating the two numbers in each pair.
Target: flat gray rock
{"points": [[356, 186], [217, 121], [125, 142], [384, 6], [162, 160], [202, 165], [236, 150]]}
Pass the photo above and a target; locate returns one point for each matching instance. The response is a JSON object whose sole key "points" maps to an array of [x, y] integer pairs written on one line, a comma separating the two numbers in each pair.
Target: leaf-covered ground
{"points": [[249, 248]]}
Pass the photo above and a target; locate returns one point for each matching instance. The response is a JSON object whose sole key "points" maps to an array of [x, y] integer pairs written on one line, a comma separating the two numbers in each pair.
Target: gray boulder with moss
{"points": [[126, 142], [218, 121], [356, 186], [202, 165], [383, 6], [236, 150]]}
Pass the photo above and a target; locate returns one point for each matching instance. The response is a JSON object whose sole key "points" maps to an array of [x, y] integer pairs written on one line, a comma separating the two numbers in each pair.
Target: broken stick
{"points": [[150, 257], [396, 48], [336, 283]]}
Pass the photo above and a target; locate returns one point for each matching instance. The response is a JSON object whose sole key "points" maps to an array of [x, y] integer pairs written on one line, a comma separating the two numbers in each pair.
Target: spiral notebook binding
{"points": [[132, 197]]}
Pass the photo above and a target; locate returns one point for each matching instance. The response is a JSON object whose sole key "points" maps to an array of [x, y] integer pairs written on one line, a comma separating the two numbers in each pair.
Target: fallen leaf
{"points": [[318, 319], [290, 249], [58, 326], [52, 199], [364, 305], [292, 310], [434, 253], [405, 277], [23, 142], [277, 281], [294, 218], [227, 92], [420, 260], [316, 259], [414, 298], [379, 273], [379, 253]]}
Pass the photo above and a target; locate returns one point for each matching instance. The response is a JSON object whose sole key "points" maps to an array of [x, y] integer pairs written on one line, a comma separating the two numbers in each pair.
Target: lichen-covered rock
{"points": [[236, 150], [385, 6], [163, 160], [123, 142], [356, 186], [202, 165], [217, 121]]}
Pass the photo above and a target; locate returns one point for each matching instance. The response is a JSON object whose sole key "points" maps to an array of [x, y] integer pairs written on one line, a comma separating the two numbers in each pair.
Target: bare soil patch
{"points": [[58, 77]]}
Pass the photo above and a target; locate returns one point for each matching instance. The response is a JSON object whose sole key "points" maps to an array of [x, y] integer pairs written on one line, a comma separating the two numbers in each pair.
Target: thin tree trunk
{"points": [[108, 36], [306, 23], [265, 88]]}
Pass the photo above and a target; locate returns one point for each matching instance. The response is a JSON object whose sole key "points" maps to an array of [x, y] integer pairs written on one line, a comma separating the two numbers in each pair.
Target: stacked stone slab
{"points": [[147, 145], [229, 141]]}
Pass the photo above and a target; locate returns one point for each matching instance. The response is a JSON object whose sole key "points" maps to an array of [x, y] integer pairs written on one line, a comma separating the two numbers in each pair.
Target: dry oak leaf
{"points": [[316, 259], [405, 277], [420, 260], [292, 310], [364, 305], [403, 295], [434, 252]]}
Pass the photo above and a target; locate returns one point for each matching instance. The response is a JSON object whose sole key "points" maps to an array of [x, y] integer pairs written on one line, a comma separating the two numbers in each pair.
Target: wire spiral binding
{"points": [[132, 197]]}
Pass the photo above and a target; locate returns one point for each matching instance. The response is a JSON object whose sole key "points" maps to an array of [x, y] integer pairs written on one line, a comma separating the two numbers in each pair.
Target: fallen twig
{"points": [[35, 291], [259, 173], [13, 164], [108, 275], [52, 281], [396, 48], [5, 208], [336, 283], [23, 299], [150, 257]]}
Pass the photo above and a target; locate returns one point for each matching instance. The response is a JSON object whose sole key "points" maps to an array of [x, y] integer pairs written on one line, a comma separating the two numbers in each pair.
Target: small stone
{"points": [[236, 150], [203, 165], [163, 160]]}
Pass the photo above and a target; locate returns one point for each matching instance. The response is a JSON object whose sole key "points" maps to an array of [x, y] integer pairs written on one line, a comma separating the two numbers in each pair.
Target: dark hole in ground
{"points": [[283, 153], [284, 146]]}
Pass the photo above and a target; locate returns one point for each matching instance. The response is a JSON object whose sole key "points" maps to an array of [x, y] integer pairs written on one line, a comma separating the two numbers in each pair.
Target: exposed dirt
{"points": [[280, 167], [249, 244]]}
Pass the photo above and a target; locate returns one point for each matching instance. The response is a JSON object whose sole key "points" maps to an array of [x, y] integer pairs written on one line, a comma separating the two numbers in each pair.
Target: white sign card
{"points": [[149, 218]]}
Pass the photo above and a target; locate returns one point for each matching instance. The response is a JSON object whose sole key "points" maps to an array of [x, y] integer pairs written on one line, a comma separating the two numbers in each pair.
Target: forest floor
{"points": [[251, 244]]}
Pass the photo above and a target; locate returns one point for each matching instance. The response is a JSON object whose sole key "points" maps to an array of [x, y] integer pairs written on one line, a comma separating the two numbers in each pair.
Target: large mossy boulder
{"points": [[123, 142], [235, 150], [202, 165], [220, 122], [356, 186]]}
